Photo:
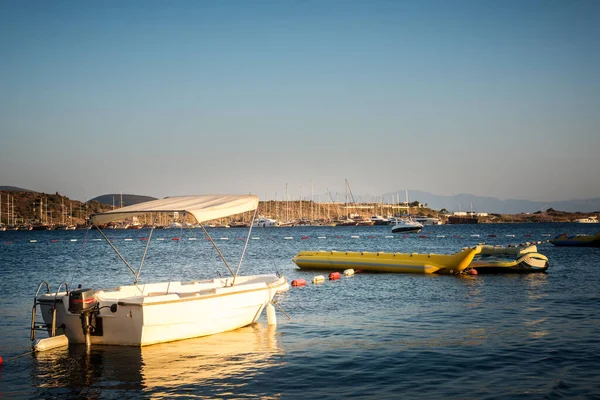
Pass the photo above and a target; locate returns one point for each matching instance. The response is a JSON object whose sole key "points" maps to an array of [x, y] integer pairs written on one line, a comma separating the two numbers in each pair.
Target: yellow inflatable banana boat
{"points": [[387, 262]]}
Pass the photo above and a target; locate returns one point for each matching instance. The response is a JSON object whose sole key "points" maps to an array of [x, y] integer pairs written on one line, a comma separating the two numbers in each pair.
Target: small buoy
{"points": [[355, 237], [0, 360], [334, 275], [472, 272], [288, 238], [305, 237], [349, 272], [492, 235], [321, 237], [171, 239], [422, 236], [319, 279], [298, 282], [358, 271]]}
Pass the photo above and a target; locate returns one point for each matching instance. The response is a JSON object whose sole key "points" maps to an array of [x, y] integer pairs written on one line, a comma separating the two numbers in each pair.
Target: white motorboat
{"points": [[142, 314], [262, 222], [379, 220], [589, 220], [405, 225], [428, 221]]}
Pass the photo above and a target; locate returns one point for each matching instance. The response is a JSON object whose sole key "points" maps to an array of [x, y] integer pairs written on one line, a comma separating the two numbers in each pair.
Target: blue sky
{"points": [[494, 98]]}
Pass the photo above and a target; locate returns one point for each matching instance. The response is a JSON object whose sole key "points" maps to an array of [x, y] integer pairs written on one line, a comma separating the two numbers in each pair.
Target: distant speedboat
{"points": [[406, 225], [428, 221], [588, 220], [379, 220], [262, 222]]}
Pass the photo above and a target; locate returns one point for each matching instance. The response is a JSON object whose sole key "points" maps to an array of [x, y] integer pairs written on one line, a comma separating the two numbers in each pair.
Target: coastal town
{"points": [[29, 210]]}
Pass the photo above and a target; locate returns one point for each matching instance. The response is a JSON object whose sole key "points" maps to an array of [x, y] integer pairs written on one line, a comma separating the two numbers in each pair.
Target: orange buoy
{"points": [[334, 275], [305, 237], [0, 360], [472, 271], [174, 238], [299, 282]]}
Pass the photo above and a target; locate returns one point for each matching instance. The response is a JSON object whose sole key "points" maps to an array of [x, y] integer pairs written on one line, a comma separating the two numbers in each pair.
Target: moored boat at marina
{"points": [[589, 220], [142, 314]]}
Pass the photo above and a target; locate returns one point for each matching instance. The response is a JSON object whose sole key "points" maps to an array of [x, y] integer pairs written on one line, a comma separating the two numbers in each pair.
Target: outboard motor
{"points": [[82, 300]]}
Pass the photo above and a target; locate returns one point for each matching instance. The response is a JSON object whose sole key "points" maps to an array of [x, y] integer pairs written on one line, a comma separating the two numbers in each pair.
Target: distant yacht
{"points": [[588, 220], [379, 220], [262, 222], [406, 225], [428, 221]]}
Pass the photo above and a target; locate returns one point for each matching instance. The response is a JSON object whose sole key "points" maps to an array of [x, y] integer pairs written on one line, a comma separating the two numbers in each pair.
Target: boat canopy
{"points": [[202, 207]]}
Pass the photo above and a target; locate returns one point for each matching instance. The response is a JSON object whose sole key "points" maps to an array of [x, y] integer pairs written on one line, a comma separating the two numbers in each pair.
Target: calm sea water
{"points": [[372, 336]]}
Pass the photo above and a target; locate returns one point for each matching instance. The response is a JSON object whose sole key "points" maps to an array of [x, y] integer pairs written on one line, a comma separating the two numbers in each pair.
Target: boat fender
{"points": [[298, 282], [472, 271], [334, 276], [271, 317]]}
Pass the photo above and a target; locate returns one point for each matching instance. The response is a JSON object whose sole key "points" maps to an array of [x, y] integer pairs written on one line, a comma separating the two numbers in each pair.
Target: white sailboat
{"points": [[142, 314]]}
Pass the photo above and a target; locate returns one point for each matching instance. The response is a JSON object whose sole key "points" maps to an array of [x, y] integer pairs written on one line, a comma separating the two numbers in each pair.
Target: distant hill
{"points": [[15, 189], [128, 199], [494, 205]]}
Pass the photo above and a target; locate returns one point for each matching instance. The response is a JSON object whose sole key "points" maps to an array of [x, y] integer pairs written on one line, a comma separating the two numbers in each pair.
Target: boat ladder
{"points": [[41, 325]]}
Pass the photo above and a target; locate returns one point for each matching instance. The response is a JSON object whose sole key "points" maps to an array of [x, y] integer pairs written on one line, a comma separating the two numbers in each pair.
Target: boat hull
{"points": [[166, 312], [406, 229], [565, 240], [386, 262]]}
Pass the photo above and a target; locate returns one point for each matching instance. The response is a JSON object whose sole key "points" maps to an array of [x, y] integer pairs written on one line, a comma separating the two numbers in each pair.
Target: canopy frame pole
{"points": [[245, 244], [217, 249], [115, 249], [145, 250]]}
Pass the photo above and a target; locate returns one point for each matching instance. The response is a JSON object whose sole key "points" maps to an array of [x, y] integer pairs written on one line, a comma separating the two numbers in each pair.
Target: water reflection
{"points": [[234, 357]]}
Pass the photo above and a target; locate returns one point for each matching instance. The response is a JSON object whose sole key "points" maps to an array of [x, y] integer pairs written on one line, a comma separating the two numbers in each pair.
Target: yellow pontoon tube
{"points": [[387, 262]]}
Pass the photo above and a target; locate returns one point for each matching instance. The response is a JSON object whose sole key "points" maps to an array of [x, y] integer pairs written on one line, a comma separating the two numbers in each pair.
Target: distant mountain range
{"points": [[128, 199], [451, 203], [494, 205], [14, 189]]}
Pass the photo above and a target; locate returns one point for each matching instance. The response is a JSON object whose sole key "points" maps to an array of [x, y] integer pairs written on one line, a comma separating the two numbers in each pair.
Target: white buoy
{"points": [[321, 237], [288, 238], [271, 317], [319, 279], [355, 237], [348, 272]]}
